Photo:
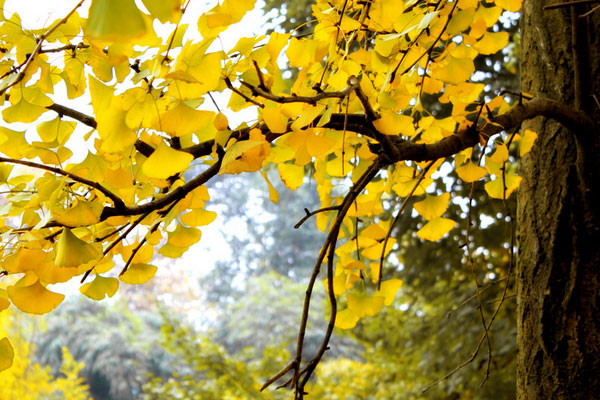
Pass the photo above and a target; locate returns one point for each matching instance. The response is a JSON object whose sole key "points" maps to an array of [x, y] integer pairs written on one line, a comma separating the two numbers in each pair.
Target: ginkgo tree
{"points": [[353, 121]]}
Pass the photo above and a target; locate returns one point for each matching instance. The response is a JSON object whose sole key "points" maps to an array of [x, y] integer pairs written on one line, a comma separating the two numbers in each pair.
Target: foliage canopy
{"points": [[353, 121]]}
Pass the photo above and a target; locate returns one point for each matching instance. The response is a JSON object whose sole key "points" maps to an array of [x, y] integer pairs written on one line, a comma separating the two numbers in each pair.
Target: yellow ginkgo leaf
{"points": [[137, 274], [221, 123], [433, 206], [510, 5], [276, 121], [7, 354], [27, 105], [56, 129], [364, 305], [355, 265], [496, 188], [100, 288], [72, 252], [182, 119], [34, 298], [435, 229], [276, 43], [168, 250], [346, 319], [23, 260], [291, 175], [273, 195], [341, 283], [500, 155], [319, 146], [115, 20], [143, 254], [491, 42], [526, 142], [199, 217], [163, 10], [247, 155], [308, 115], [374, 268], [456, 71], [373, 231], [184, 237], [82, 214], [392, 123], [470, 172], [165, 162], [388, 290]]}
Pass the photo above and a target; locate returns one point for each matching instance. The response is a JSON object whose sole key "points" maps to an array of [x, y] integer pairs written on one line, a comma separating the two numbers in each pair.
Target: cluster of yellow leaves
{"points": [[148, 93]]}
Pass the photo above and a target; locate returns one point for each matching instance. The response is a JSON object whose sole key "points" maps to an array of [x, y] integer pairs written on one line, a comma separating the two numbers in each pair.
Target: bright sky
{"points": [[39, 13]]}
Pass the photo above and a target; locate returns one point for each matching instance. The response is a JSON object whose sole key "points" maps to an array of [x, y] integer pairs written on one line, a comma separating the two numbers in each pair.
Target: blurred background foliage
{"points": [[222, 334]]}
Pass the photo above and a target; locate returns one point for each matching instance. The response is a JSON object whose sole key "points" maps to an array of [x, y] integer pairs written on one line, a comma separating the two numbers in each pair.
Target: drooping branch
{"points": [[327, 249]]}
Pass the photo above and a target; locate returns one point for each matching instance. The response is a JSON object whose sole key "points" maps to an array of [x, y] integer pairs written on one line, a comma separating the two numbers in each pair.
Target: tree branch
{"points": [[76, 115], [165, 200], [117, 201]]}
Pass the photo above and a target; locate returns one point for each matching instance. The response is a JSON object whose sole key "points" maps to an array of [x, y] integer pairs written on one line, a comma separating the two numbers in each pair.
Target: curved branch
{"points": [[577, 122], [165, 200], [117, 201]]}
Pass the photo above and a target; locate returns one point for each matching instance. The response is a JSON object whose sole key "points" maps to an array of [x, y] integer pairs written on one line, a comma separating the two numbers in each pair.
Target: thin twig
{"points": [[311, 213]]}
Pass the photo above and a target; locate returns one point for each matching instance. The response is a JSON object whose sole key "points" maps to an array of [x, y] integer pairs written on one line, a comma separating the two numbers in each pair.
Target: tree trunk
{"points": [[558, 280]]}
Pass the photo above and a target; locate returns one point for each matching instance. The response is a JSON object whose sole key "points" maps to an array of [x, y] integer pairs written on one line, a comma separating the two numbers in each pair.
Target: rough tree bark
{"points": [[558, 282]]}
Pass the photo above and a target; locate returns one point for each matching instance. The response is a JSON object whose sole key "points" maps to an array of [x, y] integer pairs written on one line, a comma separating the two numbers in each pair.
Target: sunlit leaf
{"points": [[166, 161], [498, 189], [433, 206], [34, 298], [392, 123], [247, 155], [456, 71], [184, 237], [346, 319], [273, 195], [72, 252], [82, 214], [100, 288], [491, 42], [526, 142], [364, 305], [275, 120], [435, 229], [114, 20], [291, 175], [137, 274], [162, 9], [388, 290], [510, 5], [198, 217], [470, 172]]}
